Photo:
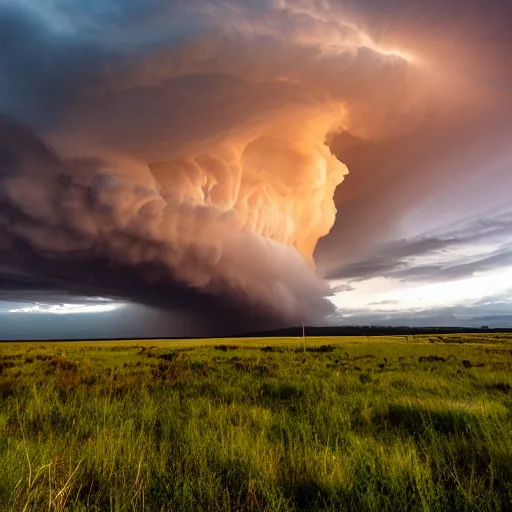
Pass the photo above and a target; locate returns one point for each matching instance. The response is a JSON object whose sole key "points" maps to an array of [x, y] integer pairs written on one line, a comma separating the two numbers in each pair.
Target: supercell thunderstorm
{"points": [[209, 157]]}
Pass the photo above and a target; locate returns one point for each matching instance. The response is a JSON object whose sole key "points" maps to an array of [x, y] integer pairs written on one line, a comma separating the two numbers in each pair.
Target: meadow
{"points": [[356, 424]]}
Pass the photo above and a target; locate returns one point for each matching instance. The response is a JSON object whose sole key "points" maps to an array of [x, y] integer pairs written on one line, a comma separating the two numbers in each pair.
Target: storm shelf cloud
{"points": [[246, 163]]}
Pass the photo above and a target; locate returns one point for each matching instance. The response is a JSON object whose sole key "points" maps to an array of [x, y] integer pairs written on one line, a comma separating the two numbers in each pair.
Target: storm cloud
{"points": [[190, 156]]}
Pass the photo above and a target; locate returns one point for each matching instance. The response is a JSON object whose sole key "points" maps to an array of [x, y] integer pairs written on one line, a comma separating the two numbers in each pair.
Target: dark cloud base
{"points": [[176, 309]]}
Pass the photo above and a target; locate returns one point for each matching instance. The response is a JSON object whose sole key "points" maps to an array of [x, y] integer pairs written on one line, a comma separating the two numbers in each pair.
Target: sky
{"points": [[200, 168]]}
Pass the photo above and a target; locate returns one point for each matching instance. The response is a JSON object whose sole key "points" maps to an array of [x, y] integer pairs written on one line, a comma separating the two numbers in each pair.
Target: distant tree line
{"points": [[343, 330], [373, 330]]}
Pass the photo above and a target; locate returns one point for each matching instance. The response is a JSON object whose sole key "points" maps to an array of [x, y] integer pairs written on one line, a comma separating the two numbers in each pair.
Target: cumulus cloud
{"points": [[210, 223], [202, 154], [198, 146]]}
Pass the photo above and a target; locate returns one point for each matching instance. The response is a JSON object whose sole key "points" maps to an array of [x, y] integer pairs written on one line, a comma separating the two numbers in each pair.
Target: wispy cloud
{"points": [[65, 309], [434, 256]]}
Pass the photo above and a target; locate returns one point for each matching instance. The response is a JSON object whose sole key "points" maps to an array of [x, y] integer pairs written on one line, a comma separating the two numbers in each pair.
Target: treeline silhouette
{"points": [[372, 330], [291, 332]]}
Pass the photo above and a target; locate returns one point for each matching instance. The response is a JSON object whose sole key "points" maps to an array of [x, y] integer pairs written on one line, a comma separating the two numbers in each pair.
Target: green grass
{"points": [[401, 423]]}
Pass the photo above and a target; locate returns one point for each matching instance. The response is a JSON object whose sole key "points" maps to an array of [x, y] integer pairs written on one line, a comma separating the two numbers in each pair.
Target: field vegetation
{"points": [[403, 423]]}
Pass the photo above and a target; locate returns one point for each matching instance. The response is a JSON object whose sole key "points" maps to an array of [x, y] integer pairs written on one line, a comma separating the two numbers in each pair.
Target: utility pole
{"points": [[303, 333]]}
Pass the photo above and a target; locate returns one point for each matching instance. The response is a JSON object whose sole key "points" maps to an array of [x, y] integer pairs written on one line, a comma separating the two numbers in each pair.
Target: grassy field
{"points": [[394, 424]]}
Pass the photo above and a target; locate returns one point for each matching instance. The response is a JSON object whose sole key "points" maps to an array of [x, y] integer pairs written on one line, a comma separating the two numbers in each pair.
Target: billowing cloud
{"points": [[204, 156], [199, 146]]}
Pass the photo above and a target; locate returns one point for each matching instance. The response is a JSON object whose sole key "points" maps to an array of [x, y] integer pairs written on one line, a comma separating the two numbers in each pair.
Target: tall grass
{"points": [[351, 426]]}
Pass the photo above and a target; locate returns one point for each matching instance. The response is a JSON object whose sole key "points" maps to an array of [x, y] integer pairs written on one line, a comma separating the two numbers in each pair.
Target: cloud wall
{"points": [[204, 153]]}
